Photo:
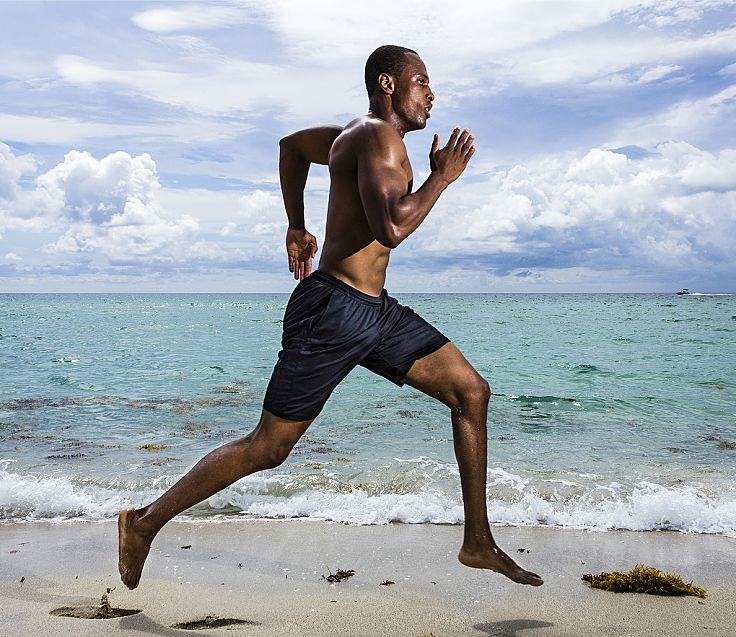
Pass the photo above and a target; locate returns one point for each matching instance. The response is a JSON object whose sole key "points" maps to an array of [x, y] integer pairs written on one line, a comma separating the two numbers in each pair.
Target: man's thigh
{"points": [[444, 374], [323, 341], [405, 338]]}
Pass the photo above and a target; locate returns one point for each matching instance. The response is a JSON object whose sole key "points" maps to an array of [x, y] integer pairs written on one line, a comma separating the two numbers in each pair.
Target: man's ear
{"points": [[386, 83]]}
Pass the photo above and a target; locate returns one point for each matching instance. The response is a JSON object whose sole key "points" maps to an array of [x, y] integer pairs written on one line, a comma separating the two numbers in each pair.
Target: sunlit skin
{"points": [[371, 210]]}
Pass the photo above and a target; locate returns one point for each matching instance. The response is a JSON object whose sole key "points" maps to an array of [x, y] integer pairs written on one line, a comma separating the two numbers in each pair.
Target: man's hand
{"points": [[450, 162], [301, 246]]}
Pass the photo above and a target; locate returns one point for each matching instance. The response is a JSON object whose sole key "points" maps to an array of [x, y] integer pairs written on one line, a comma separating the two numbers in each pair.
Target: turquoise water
{"points": [[609, 411]]}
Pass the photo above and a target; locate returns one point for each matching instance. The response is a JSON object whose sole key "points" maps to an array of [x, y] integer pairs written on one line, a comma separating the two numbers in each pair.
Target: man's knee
{"points": [[474, 391], [274, 455], [271, 448], [478, 389]]}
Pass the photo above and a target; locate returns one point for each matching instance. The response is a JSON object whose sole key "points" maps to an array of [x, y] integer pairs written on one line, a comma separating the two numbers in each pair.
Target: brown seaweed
{"points": [[643, 579], [339, 576]]}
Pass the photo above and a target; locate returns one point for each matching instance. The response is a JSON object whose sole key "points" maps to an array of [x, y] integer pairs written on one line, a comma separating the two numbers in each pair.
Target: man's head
{"points": [[389, 59], [397, 77]]}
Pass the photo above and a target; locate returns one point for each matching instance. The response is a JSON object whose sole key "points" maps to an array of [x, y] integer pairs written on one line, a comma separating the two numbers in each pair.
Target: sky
{"points": [[139, 141]]}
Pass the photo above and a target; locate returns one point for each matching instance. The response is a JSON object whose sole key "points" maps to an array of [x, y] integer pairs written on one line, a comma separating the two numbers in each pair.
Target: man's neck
{"points": [[382, 109]]}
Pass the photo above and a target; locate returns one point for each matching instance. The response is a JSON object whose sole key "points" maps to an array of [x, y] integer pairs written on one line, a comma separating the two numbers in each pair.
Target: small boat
{"points": [[684, 292]]}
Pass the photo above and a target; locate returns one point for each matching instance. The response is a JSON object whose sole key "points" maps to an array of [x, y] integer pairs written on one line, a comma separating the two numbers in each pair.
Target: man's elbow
{"points": [[391, 237], [287, 147]]}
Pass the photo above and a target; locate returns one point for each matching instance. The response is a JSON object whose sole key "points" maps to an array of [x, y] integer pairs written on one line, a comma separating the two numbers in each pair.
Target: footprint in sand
{"points": [[102, 611], [212, 621]]}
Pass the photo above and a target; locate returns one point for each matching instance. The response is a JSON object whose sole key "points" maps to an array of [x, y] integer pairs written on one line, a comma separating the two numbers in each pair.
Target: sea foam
{"points": [[512, 500]]}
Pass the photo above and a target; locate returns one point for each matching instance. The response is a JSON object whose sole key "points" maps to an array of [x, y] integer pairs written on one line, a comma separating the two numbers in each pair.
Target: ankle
{"points": [[477, 542], [142, 524]]}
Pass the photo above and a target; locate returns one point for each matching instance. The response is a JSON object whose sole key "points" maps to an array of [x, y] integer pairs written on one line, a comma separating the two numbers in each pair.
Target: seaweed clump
{"points": [[339, 576], [152, 447], [643, 579]]}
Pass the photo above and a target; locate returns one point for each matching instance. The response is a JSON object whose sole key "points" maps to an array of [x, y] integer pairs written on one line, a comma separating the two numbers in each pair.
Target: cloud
{"points": [[12, 168], [214, 85], [657, 73], [665, 13], [705, 120], [189, 17], [590, 58], [489, 28], [507, 41], [109, 206], [19, 208], [112, 207], [671, 210], [66, 131]]}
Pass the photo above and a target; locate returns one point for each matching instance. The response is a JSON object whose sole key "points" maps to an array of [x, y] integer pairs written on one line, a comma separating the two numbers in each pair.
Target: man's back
{"points": [[351, 250]]}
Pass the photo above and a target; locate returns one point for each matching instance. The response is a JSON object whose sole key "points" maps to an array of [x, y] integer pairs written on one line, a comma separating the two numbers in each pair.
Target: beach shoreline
{"points": [[271, 573]]}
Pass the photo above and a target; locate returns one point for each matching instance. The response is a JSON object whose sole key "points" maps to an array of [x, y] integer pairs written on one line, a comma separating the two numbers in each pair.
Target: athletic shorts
{"points": [[329, 328]]}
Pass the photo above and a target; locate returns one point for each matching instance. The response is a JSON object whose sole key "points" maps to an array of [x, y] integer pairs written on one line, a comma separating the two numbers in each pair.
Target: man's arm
{"points": [[392, 213], [297, 152]]}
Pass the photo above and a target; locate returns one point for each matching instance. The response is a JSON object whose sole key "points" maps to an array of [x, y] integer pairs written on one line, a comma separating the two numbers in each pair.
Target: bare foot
{"points": [[493, 558], [133, 549]]}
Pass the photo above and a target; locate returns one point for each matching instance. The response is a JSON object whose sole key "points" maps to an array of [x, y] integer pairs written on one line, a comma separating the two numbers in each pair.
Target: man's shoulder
{"points": [[368, 133]]}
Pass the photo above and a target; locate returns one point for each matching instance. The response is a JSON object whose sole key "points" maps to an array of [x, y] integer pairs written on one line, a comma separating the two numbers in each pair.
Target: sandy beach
{"points": [[269, 575]]}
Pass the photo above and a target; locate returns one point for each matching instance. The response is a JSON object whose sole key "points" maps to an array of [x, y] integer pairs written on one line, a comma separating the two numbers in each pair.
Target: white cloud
{"points": [[674, 209], [664, 13], [12, 167], [226, 209], [214, 85], [261, 207], [506, 42], [19, 208], [228, 228], [108, 206], [112, 207], [189, 17], [590, 58], [12, 257], [706, 117], [317, 31], [657, 73], [68, 131]]}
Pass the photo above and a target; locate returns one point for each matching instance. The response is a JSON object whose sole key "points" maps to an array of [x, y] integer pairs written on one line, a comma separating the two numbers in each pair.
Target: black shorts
{"points": [[329, 328]]}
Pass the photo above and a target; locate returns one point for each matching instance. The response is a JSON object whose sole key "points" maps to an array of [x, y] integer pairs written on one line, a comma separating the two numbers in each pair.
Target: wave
{"points": [[513, 500]]}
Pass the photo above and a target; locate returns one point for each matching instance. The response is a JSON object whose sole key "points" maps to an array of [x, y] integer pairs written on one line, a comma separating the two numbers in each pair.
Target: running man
{"points": [[340, 316]]}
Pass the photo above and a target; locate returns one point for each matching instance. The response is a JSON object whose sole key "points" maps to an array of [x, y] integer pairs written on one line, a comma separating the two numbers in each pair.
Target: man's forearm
{"points": [[297, 152], [293, 171]]}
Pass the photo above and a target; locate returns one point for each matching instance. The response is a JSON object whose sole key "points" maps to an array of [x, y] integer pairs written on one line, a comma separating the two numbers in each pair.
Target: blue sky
{"points": [[139, 141]]}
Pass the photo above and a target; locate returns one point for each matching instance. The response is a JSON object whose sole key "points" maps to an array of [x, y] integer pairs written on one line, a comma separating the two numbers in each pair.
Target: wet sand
{"points": [[269, 576]]}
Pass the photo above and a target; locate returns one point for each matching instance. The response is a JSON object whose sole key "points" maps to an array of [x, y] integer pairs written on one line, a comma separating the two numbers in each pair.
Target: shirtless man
{"points": [[340, 316]]}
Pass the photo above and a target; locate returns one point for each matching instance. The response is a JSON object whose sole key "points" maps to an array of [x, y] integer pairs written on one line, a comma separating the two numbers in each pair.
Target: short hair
{"points": [[389, 59]]}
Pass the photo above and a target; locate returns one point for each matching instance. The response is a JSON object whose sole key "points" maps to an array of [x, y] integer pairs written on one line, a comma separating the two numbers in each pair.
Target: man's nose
{"points": [[430, 95]]}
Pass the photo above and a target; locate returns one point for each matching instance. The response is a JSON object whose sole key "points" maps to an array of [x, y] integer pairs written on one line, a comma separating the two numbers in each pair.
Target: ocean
{"points": [[609, 411]]}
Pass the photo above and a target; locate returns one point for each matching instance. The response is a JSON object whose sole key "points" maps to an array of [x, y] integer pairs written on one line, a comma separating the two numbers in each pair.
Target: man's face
{"points": [[412, 98]]}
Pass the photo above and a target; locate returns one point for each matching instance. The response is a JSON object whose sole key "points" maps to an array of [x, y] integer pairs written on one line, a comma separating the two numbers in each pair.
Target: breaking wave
{"points": [[512, 500]]}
